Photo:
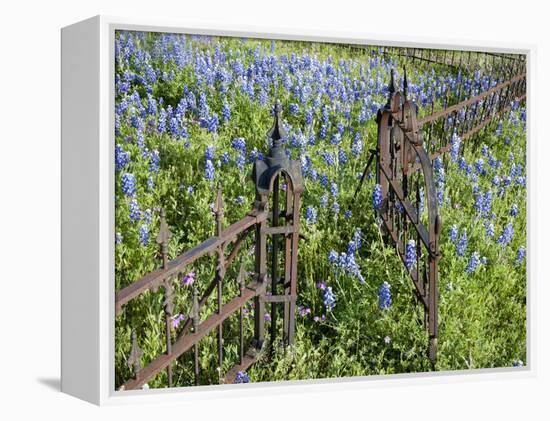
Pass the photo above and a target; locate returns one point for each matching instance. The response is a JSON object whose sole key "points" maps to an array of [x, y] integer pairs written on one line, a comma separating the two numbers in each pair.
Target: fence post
{"points": [[162, 239]]}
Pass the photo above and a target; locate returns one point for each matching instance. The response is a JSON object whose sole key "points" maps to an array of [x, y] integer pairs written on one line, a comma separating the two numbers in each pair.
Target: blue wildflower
{"points": [[507, 235], [410, 254], [453, 233], [514, 210], [128, 184], [329, 299], [332, 257], [209, 170], [323, 202], [333, 189], [377, 197], [144, 234], [135, 211], [154, 163], [520, 256], [122, 158], [242, 377], [489, 229], [311, 215], [472, 263], [462, 244], [384, 296], [226, 112]]}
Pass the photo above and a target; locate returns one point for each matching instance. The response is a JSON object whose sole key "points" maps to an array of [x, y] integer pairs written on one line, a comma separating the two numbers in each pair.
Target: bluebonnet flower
{"points": [[484, 150], [122, 158], [347, 214], [150, 183], [209, 153], [472, 263], [128, 184], [239, 144], [213, 123], [520, 256], [323, 179], [496, 181], [335, 139], [209, 170], [329, 299], [148, 216], [135, 211], [311, 215], [333, 189], [309, 116], [225, 158], [377, 197], [520, 181], [293, 109], [226, 112], [462, 244], [514, 210], [342, 156], [242, 377], [154, 163], [357, 145], [507, 235], [453, 233], [493, 162], [455, 147], [384, 296], [118, 238], [518, 363], [410, 254], [336, 208], [489, 229], [478, 165], [144, 234], [161, 125], [323, 131], [323, 202], [239, 200], [333, 257], [240, 161], [329, 158]]}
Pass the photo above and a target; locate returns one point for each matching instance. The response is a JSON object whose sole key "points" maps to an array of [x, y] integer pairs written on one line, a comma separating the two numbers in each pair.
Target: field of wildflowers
{"points": [[192, 112]]}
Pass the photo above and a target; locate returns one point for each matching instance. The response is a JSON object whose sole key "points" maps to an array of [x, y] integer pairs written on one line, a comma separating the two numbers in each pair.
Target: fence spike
{"points": [[195, 309], [134, 360], [163, 237], [405, 83]]}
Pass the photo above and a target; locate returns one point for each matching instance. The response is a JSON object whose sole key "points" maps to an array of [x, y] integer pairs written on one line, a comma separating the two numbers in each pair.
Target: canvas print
{"points": [[291, 210]]}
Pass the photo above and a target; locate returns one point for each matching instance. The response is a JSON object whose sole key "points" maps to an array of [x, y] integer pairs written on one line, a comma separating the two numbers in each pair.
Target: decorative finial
{"points": [[405, 83], [134, 360], [195, 309], [163, 237], [391, 88]]}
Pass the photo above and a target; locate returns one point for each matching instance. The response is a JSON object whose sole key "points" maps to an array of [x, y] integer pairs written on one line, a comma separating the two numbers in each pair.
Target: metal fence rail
{"points": [[275, 285]]}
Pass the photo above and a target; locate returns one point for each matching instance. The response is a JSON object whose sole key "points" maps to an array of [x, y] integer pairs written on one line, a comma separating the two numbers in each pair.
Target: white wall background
{"points": [[30, 197]]}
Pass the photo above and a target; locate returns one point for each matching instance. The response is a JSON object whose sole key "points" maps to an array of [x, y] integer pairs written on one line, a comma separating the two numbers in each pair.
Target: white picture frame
{"points": [[88, 212]]}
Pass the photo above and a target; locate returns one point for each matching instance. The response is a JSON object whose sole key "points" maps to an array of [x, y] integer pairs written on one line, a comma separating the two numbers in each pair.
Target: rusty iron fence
{"points": [[406, 149], [275, 223]]}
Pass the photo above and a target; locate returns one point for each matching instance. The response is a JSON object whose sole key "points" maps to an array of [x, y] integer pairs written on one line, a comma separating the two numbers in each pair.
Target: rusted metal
{"points": [[400, 146], [267, 176]]}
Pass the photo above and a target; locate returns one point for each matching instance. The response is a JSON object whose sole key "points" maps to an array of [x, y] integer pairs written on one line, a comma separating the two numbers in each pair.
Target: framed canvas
{"points": [[244, 210]]}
